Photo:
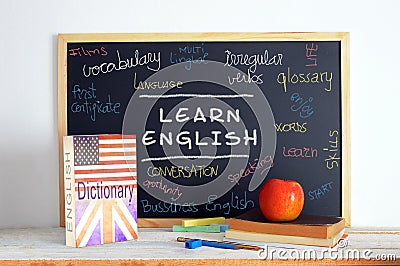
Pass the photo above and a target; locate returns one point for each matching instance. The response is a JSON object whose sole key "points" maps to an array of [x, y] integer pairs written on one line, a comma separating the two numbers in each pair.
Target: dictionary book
{"points": [[100, 189]]}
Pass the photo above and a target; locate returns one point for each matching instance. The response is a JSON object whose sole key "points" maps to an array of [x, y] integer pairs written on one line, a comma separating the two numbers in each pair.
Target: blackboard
{"points": [[216, 115]]}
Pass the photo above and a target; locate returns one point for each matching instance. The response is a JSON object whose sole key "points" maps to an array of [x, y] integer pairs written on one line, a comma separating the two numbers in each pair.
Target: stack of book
{"points": [[309, 230]]}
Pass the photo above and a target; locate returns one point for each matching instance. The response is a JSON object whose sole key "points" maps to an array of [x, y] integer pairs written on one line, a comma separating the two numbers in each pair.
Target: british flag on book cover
{"points": [[105, 189]]}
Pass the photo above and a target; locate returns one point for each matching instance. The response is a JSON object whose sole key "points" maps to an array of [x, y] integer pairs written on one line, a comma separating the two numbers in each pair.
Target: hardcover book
{"points": [[100, 189], [305, 225], [283, 239]]}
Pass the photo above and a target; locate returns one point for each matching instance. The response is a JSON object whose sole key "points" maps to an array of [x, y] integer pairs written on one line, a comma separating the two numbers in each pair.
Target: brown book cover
{"points": [[305, 225], [284, 239]]}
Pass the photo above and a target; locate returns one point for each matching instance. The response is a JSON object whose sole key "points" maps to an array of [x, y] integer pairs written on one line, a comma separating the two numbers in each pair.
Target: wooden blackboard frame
{"points": [[342, 37]]}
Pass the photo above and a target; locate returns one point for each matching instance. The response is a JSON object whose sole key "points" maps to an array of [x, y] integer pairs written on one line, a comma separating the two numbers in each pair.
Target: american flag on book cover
{"points": [[105, 186]]}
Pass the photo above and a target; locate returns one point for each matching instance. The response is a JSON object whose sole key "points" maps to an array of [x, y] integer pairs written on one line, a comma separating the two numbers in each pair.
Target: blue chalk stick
{"points": [[193, 243], [223, 227]]}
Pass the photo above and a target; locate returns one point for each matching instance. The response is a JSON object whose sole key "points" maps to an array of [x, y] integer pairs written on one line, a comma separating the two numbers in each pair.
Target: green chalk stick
{"points": [[200, 228]]}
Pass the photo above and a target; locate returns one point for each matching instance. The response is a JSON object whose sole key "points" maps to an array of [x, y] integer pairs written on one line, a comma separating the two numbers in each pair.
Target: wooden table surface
{"points": [[158, 247]]}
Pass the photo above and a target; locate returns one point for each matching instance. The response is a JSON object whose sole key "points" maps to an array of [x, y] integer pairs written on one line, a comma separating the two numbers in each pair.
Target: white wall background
{"points": [[28, 86]]}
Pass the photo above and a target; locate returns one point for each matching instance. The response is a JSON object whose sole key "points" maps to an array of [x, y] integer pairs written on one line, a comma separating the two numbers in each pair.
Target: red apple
{"points": [[281, 200]]}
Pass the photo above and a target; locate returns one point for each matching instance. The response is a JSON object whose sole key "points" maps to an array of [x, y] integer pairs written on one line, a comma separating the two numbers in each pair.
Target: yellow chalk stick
{"points": [[203, 221]]}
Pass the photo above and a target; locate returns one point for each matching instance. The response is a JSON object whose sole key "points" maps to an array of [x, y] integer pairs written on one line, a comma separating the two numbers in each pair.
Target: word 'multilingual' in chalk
{"points": [[195, 54], [203, 221]]}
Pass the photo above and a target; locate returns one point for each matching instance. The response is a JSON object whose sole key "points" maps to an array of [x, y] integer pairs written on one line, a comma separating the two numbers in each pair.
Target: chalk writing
{"points": [[81, 51], [192, 54], [234, 203], [302, 107], [311, 54], [183, 171], [252, 61], [319, 192], [215, 115], [265, 164], [167, 207], [84, 93], [291, 127], [151, 60], [189, 138], [85, 101], [167, 84], [175, 192], [311, 77], [305, 152], [249, 78], [333, 159]]}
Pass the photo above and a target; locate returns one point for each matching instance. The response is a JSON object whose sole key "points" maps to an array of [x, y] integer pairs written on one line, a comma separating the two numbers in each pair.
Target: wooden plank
{"points": [[375, 230], [206, 36], [159, 222], [203, 221], [158, 247], [201, 262], [346, 145], [62, 119]]}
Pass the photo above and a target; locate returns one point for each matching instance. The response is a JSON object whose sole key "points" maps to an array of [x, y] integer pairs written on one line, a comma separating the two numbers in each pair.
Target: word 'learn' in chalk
{"points": [[203, 221]]}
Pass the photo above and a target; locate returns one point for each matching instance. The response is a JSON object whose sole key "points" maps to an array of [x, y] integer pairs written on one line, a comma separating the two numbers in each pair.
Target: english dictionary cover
{"points": [[100, 189]]}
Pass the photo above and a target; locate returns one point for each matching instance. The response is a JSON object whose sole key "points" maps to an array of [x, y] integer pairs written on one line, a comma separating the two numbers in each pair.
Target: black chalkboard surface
{"points": [[216, 115]]}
